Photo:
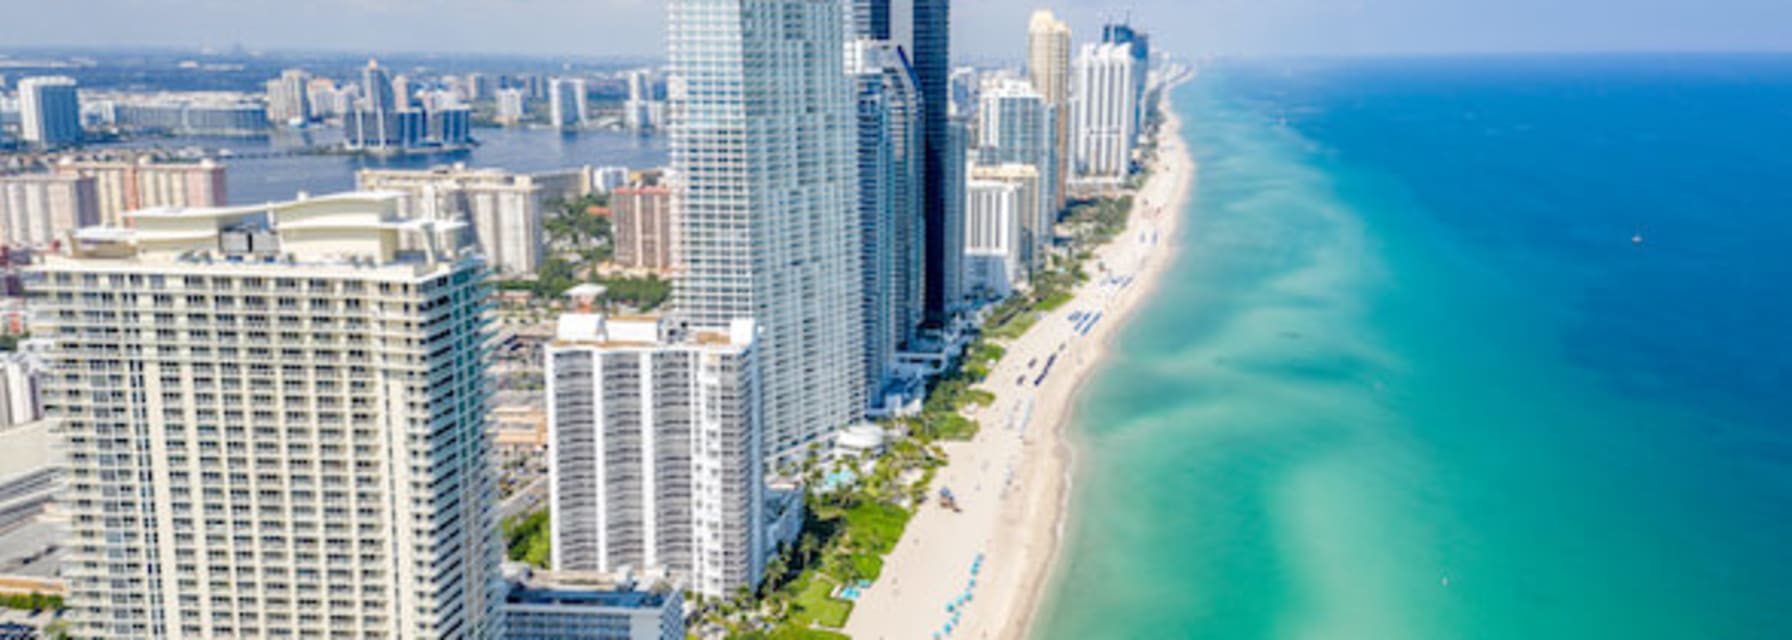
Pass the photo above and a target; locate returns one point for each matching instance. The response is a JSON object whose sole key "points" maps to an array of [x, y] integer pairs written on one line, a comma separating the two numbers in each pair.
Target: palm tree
{"points": [[774, 574], [807, 546]]}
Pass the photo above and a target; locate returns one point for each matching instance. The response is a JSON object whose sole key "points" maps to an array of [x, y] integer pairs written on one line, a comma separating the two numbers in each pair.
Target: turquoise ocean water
{"points": [[1413, 378]]}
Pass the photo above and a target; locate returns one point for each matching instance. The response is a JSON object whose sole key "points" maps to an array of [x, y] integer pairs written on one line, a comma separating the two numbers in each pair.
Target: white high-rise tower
{"points": [[275, 425], [1104, 114], [764, 177]]}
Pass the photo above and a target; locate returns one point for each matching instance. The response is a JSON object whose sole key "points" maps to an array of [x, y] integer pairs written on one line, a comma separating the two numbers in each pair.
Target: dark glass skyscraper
{"points": [[933, 71]]}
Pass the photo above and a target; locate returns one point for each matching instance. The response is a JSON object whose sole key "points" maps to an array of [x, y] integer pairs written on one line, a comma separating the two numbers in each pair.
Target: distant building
{"points": [[503, 210], [643, 227], [639, 111], [992, 237], [567, 106], [654, 451], [289, 97], [607, 179], [480, 87], [549, 606], [1104, 115], [187, 117], [1139, 45], [130, 185], [328, 100], [377, 93], [49, 111], [513, 106], [37, 209]]}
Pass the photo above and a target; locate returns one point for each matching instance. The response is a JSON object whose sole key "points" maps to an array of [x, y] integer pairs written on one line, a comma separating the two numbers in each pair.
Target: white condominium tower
{"points": [[1016, 127], [274, 424], [567, 103], [764, 180], [654, 453], [1104, 120], [992, 234], [1048, 67], [289, 99]]}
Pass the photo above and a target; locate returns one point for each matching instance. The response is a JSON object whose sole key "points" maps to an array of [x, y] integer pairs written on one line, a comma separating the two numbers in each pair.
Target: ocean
{"points": [[1455, 348]]}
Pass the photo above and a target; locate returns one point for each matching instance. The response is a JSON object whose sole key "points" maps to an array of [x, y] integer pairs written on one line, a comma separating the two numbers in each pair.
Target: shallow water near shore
{"points": [[1477, 348]]}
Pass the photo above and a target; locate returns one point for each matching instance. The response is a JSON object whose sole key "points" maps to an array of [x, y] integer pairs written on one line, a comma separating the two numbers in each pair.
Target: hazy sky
{"points": [[986, 28]]}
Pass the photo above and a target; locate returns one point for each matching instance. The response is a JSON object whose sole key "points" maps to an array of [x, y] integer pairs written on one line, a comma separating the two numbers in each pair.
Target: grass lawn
{"points": [[792, 632], [813, 605], [1015, 326]]}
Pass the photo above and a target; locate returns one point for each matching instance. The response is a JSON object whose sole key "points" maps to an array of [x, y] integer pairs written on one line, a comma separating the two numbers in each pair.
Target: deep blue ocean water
{"points": [[1414, 375]]}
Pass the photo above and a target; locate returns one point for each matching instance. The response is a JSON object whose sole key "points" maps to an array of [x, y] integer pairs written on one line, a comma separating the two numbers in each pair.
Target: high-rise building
{"points": [[289, 97], [1104, 115], [275, 425], [1016, 128], [327, 100], [1048, 67], [992, 263], [653, 451], [1033, 230], [480, 87], [37, 209], [377, 93], [404, 92], [764, 175], [871, 20], [1122, 33], [889, 198], [957, 165], [503, 210], [49, 111], [567, 104], [513, 106], [643, 227], [144, 183], [962, 91], [929, 26], [639, 110]]}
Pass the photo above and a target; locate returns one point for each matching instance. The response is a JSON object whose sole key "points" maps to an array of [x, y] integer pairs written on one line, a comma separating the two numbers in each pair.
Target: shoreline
{"points": [[1014, 479]]}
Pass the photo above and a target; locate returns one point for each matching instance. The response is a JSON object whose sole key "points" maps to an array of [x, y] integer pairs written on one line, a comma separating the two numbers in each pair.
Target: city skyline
{"points": [[635, 27]]}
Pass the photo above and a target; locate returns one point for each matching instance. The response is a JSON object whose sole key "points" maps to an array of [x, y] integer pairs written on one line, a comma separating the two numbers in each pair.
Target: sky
{"points": [[985, 29]]}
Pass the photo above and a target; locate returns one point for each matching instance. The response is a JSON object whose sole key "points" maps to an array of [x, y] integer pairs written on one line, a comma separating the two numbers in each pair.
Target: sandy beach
{"points": [[983, 571]]}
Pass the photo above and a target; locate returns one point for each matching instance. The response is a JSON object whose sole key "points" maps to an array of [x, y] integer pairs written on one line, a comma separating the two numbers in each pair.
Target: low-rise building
{"points": [[503, 210], [560, 606]]}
